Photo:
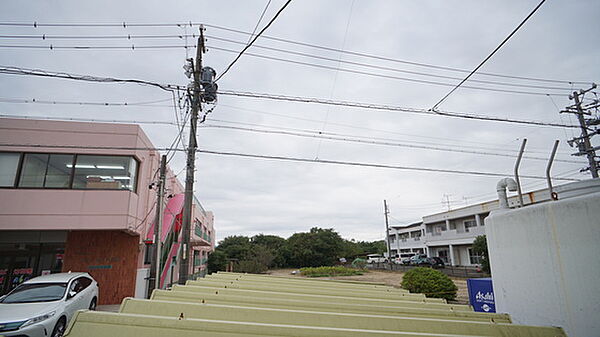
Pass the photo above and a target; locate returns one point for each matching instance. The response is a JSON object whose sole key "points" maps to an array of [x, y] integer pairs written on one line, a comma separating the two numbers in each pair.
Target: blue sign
{"points": [[481, 294]]}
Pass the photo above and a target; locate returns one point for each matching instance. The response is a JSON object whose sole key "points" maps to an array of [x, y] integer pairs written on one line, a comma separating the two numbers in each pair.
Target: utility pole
{"points": [[155, 268], [583, 143], [387, 232], [184, 261]]}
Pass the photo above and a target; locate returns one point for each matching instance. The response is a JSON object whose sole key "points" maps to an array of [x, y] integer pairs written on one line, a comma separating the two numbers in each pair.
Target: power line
{"points": [[228, 29], [60, 102], [367, 65], [89, 47], [323, 135], [77, 119], [352, 126], [217, 38], [337, 162], [44, 73], [253, 40], [170, 87], [284, 158], [262, 15], [388, 108], [488, 57], [315, 134], [391, 76], [132, 47]]}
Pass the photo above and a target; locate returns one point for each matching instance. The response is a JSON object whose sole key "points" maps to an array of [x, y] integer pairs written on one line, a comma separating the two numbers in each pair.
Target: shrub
{"points": [[431, 282], [329, 271]]}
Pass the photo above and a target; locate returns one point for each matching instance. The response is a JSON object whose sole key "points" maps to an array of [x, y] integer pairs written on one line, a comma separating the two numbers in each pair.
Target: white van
{"points": [[376, 258]]}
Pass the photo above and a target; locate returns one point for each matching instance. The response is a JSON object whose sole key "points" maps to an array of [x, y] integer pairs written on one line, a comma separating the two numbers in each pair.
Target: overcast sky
{"points": [[251, 196]]}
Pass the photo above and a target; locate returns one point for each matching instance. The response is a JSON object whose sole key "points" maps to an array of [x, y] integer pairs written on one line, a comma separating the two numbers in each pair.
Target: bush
{"points": [[329, 271], [431, 282]]}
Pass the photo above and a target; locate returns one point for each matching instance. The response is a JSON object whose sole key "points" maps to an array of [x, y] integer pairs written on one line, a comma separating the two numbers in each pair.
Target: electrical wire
{"points": [[283, 158], [52, 102], [367, 65], [266, 37], [315, 134], [144, 104], [322, 135], [169, 87], [436, 105], [408, 79], [388, 108], [253, 40], [262, 15]]}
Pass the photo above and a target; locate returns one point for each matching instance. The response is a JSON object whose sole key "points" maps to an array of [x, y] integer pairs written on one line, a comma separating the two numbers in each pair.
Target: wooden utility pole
{"points": [[155, 266], [184, 258], [583, 143]]}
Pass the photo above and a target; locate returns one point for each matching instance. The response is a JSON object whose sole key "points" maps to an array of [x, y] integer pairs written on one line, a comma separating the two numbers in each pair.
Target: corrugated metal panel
{"points": [[193, 310]]}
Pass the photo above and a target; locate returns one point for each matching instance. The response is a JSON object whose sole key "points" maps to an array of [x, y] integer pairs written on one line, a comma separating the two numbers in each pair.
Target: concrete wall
{"points": [[545, 263]]}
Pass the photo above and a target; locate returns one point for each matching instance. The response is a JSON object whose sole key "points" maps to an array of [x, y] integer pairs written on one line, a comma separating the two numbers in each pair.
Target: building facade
{"points": [[450, 235], [75, 197]]}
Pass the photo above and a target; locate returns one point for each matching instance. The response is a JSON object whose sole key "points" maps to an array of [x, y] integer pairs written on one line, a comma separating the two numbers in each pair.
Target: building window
{"points": [[474, 259], [46, 170], [9, 163], [469, 224], [52, 170], [105, 172]]}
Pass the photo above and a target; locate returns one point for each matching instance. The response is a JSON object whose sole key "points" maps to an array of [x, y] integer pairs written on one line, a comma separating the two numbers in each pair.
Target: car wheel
{"points": [[93, 304], [59, 328]]}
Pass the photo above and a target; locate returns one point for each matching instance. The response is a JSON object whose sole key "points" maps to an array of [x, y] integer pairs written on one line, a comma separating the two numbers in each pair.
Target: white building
{"points": [[450, 235]]}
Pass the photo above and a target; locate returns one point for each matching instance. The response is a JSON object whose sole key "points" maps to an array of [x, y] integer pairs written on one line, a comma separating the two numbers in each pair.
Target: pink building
{"points": [[74, 196]]}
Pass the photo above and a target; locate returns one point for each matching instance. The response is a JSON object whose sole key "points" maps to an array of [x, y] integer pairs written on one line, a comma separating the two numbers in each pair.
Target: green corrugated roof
{"points": [[228, 304]]}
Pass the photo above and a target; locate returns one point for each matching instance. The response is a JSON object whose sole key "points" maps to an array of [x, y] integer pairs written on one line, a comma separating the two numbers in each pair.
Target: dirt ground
{"points": [[392, 278]]}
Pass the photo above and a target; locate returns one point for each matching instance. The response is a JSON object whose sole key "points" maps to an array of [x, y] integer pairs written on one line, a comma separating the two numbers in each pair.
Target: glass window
{"points": [[105, 172], [34, 170], [59, 170], [9, 162], [46, 170], [36, 292]]}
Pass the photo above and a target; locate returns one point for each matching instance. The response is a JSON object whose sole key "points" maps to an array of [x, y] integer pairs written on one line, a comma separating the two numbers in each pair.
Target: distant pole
{"points": [[586, 147], [154, 279], [184, 261], [387, 232]]}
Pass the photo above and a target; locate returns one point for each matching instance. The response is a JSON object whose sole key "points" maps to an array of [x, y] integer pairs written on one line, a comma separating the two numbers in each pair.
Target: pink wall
{"points": [[38, 209]]}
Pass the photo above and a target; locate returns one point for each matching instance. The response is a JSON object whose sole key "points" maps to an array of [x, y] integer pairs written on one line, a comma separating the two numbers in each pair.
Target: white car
{"points": [[44, 305], [376, 258]]}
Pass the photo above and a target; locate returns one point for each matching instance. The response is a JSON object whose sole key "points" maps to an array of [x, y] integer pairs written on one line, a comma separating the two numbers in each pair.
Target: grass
{"points": [[329, 271]]}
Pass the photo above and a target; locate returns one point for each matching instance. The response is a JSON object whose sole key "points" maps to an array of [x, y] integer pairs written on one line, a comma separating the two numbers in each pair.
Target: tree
{"points": [[480, 248], [273, 244], [236, 247], [217, 261], [319, 247]]}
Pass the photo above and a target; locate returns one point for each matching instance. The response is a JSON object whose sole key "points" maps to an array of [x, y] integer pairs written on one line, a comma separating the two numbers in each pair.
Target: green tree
{"points": [[319, 247], [217, 261], [236, 247], [273, 244], [480, 248]]}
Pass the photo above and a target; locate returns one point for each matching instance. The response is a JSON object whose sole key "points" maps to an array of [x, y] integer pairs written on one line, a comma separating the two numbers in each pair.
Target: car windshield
{"points": [[36, 292]]}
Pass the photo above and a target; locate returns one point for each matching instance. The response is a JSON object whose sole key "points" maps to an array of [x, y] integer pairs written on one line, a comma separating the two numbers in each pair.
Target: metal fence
{"points": [[456, 271]]}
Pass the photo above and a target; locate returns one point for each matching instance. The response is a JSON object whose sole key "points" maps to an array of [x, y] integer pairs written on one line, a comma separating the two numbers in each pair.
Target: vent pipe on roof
{"points": [[509, 183]]}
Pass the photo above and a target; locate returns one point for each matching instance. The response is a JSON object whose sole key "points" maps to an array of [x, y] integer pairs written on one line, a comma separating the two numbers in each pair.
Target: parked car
{"points": [[43, 306], [417, 259], [376, 258], [437, 262]]}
